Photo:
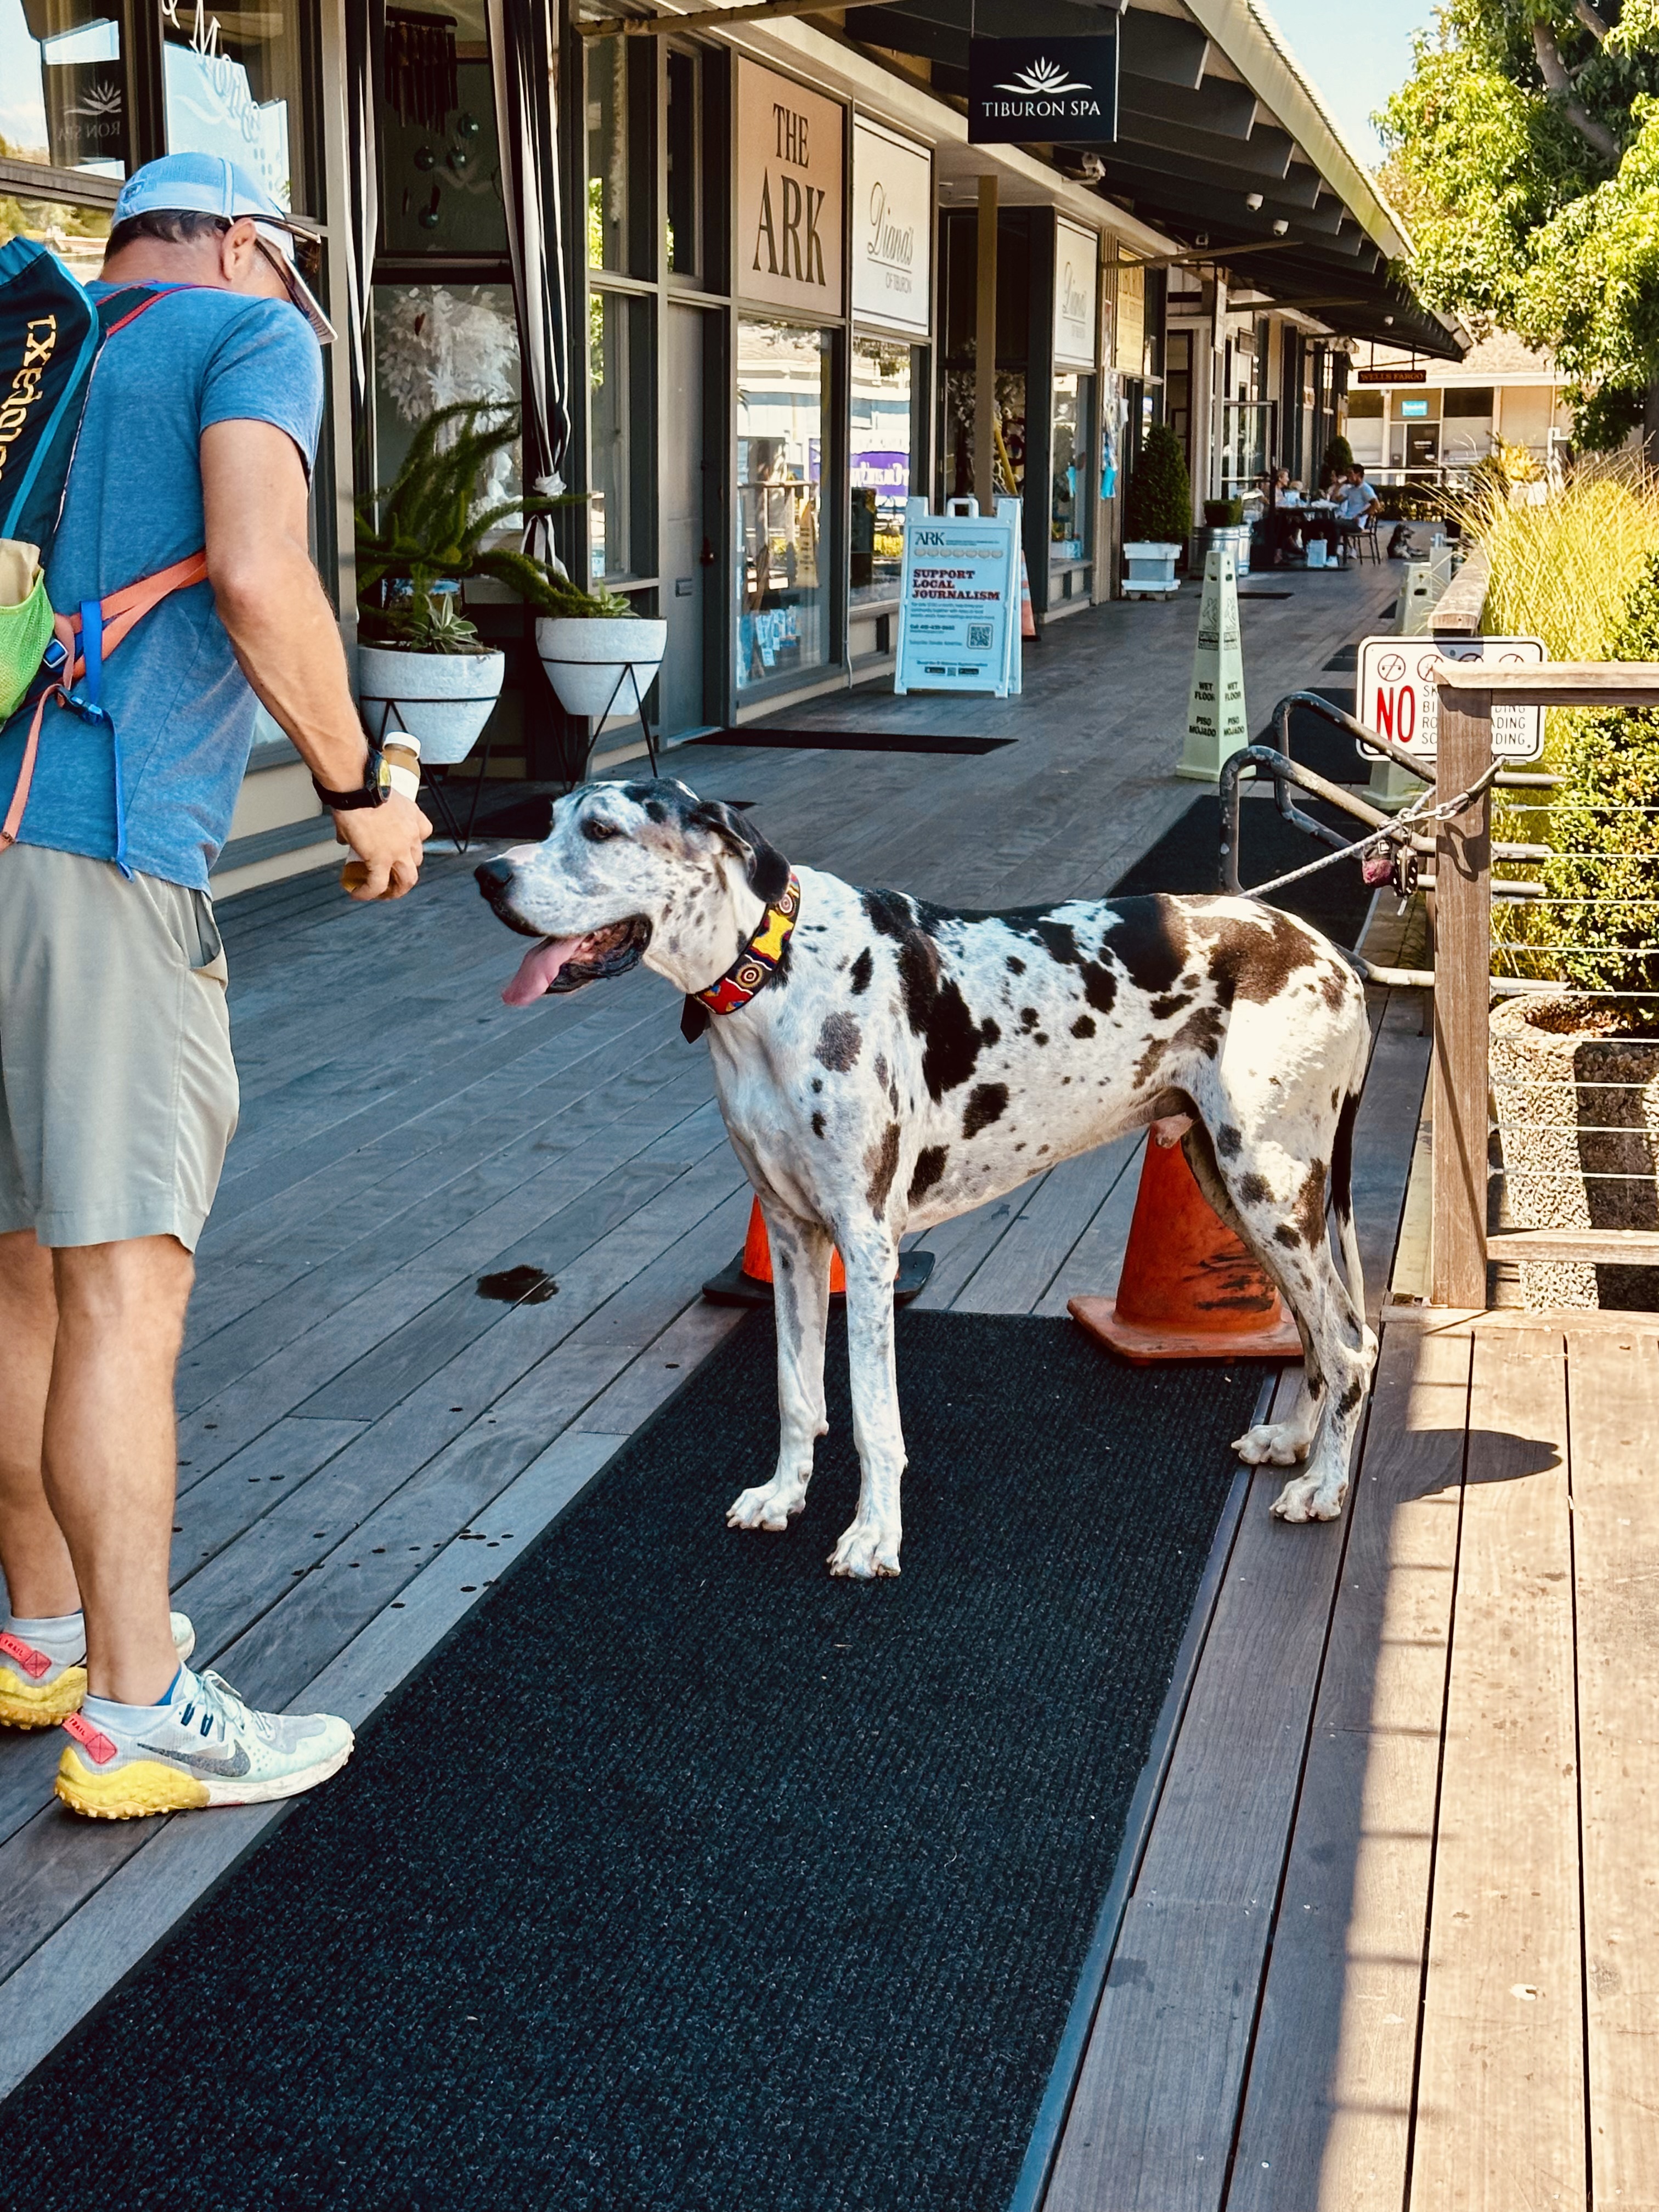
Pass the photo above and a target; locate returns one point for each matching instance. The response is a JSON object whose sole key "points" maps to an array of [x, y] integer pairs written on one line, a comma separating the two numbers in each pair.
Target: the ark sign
{"points": [[789, 192], [1040, 91]]}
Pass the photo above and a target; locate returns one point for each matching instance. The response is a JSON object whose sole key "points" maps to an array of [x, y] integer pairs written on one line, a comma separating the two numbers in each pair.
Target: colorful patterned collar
{"points": [[752, 971]]}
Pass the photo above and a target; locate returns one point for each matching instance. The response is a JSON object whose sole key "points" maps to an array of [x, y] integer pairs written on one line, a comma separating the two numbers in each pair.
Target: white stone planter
{"points": [[1152, 569], [590, 663], [444, 699], [1575, 1158]]}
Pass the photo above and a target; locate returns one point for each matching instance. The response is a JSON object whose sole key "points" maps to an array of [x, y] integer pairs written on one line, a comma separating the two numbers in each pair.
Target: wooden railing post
{"points": [[1462, 996]]}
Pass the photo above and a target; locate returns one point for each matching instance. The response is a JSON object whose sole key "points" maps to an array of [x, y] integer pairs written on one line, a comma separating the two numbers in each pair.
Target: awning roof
{"points": [[1211, 111]]}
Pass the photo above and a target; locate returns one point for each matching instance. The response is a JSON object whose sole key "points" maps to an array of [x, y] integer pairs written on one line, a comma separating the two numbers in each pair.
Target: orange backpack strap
{"points": [[121, 611]]}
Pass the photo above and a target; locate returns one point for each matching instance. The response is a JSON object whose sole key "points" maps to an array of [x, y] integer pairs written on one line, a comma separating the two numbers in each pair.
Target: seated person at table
{"points": [[1355, 502], [1278, 518]]}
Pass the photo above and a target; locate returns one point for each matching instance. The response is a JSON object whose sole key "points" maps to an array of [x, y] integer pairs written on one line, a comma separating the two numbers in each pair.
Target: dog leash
{"points": [[1417, 815], [752, 971]]}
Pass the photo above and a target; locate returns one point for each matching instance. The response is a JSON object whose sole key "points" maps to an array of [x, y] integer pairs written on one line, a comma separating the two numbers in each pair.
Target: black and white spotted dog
{"points": [[903, 1063]]}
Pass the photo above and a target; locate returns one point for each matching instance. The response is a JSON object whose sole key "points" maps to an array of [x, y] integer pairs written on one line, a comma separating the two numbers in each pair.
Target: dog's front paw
{"points": [[866, 1550], [1273, 1444], [1310, 1498], [769, 1505]]}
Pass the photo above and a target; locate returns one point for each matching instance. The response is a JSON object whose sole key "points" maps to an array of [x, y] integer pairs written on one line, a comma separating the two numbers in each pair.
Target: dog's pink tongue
{"points": [[538, 970]]}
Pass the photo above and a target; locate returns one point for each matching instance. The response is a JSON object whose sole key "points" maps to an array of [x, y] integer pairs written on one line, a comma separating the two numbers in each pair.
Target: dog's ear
{"points": [[764, 865]]}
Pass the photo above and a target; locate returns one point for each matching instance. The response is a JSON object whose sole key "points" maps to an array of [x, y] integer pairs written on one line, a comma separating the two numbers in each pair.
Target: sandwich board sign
{"points": [[1396, 695], [959, 599]]}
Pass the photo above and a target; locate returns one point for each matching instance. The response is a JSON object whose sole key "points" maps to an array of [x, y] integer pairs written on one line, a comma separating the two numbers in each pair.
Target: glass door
{"points": [[782, 405]]}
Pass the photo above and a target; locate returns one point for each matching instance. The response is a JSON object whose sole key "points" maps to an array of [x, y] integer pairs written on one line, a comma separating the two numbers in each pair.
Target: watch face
{"points": [[377, 776]]}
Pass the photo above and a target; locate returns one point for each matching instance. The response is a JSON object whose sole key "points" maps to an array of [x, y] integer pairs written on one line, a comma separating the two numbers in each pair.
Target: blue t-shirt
{"points": [[181, 705]]}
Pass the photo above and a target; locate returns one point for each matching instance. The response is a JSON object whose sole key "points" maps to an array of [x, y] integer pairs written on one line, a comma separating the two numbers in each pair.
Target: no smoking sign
{"points": [[1396, 695]]}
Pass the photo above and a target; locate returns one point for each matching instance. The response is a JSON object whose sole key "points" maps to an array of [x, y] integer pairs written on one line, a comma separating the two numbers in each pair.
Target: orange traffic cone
{"points": [[748, 1280], [1189, 1288]]}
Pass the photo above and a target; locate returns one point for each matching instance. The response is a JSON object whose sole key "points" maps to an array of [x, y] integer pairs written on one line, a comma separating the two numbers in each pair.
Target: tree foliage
{"points": [[1158, 505], [1524, 155]]}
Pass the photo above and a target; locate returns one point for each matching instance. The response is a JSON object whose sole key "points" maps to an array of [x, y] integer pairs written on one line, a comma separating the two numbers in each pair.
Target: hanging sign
{"points": [[1396, 694], [892, 228], [1392, 376], [1021, 90], [1076, 273], [959, 599], [1218, 725], [789, 193]]}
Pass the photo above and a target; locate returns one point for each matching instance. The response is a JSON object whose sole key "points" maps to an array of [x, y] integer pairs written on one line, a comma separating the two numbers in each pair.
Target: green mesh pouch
{"points": [[25, 634]]}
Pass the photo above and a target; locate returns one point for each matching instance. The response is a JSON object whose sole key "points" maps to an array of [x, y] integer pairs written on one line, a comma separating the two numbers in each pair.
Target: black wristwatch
{"points": [[374, 791]]}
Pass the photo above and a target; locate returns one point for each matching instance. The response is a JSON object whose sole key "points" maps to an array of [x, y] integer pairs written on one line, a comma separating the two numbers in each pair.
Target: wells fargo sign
{"points": [[790, 233]]}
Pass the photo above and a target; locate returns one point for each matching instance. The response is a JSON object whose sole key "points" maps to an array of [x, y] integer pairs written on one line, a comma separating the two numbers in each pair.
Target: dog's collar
{"points": [[752, 971]]}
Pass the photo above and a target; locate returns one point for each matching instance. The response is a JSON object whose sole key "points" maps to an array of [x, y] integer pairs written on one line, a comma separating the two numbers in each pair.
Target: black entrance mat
{"points": [[851, 741], [687, 1879], [1187, 858]]}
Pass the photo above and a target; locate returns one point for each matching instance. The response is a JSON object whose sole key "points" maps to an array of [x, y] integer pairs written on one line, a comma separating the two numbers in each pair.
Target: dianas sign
{"points": [[1022, 91]]}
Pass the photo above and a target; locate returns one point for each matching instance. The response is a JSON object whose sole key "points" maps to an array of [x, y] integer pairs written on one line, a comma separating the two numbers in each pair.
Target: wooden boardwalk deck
{"points": [[1392, 1935], [362, 1437]]}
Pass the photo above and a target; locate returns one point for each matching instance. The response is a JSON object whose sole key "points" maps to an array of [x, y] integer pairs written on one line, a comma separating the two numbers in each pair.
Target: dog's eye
{"points": [[598, 831]]}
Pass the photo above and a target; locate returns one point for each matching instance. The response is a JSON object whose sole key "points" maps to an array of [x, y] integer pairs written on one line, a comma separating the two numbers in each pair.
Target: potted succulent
{"points": [[1575, 1074], [421, 663], [1157, 510]]}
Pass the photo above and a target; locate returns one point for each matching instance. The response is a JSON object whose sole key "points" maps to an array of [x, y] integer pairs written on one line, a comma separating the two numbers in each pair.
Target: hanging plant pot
{"points": [[1578, 1116], [444, 699], [591, 662]]}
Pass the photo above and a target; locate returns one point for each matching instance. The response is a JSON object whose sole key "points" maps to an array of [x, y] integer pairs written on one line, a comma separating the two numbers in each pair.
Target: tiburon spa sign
{"points": [[1037, 91], [790, 234], [892, 228]]}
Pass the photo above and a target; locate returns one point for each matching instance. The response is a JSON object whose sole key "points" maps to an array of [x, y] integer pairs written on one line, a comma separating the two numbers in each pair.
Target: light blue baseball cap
{"points": [[208, 184]]}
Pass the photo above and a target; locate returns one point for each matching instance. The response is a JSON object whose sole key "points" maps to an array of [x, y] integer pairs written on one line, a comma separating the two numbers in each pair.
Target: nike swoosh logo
{"points": [[228, 1769]]}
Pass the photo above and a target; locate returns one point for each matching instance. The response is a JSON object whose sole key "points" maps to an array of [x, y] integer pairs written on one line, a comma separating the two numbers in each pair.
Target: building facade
{"points": [[732, 274]]}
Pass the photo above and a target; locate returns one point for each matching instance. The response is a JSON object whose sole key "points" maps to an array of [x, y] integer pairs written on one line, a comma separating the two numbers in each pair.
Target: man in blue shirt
{"points": [[117, 1091]]}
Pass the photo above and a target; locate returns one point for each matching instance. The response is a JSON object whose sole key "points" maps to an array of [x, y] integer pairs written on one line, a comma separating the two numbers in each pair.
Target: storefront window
{"points": [[607, 143], [441, 162], [1008, 432], [881, 447], [65, 100], [435, 345], [782, 620], [1071, 502], [619, 363], [232, 85]]}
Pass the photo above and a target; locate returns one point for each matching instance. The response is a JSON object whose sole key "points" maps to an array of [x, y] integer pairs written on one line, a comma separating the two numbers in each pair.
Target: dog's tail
{"points": [[1342, 1196]]}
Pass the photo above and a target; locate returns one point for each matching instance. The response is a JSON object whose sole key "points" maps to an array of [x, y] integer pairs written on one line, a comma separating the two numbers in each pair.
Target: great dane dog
{"points": [[883, 1064]]}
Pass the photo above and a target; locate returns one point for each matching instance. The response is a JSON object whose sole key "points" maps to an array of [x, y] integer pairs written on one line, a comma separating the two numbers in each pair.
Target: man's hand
{"points": [[387, 840]]}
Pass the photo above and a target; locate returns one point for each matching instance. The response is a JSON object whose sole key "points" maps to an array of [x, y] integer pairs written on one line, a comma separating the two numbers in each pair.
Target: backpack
{"points": [[51, 334]]}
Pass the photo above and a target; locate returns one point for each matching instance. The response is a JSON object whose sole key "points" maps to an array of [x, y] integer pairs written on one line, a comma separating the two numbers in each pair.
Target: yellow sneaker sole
{"points": [[132, 1792], [25, 1705]]}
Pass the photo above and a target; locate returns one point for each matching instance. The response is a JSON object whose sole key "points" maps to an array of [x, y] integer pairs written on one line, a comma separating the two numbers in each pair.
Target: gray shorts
{"points": [[117, 1090]]}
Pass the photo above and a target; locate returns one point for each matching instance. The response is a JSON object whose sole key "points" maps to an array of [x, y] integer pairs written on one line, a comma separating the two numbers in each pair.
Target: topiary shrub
{"points": [[1158, 504], [1338, 456]]}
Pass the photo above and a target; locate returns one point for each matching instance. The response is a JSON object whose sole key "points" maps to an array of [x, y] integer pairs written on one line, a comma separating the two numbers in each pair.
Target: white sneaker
{"points": [[37, 1691], [203, 1748]]}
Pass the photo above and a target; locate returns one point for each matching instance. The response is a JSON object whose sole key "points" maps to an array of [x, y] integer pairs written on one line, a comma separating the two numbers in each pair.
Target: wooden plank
{"points": [[1385, 1139], [961, 1243], [1093, 1264], [1462, 965], [1500, 2110], [1614, 1422], [154, 1872], [1153, 2120], [1326, 2124], [1014, 1274], [1629, 1248], [1561, 683]]}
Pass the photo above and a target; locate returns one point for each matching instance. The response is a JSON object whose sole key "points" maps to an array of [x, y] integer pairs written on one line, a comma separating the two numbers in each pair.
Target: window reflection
{"points": [[232, 86], [882, 439], [63, 92], [1070, 503], [434, 345], [607, 141], [782, 627]]}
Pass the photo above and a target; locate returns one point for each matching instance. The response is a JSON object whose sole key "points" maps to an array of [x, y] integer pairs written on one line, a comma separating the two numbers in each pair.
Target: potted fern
{"points": [[421, 663]]}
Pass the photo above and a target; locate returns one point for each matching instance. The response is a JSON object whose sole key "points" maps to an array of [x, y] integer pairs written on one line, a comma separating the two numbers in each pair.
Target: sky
{"points": [[1356, 51]]}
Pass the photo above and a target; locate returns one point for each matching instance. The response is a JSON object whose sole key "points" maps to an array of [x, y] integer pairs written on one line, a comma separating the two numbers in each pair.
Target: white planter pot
{"points": [[444, 699], [585, 660], [1152, 567]]}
